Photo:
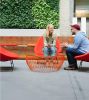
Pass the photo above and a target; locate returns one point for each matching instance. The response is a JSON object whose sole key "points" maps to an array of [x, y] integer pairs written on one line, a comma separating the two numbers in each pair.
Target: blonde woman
{"points": [[49, 41]]}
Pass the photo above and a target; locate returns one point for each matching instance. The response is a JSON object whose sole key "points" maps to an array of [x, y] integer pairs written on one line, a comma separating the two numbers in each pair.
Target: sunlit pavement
{"points": [[22, 84]]}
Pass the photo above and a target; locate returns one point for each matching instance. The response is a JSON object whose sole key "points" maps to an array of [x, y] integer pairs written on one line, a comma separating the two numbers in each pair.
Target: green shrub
{"points": [[54, 4], [28, 13], [16, 14], [43, 14]]}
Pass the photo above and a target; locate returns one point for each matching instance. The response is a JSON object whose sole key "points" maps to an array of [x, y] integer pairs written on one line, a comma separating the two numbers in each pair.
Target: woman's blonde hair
{"points": [[47, 28]]}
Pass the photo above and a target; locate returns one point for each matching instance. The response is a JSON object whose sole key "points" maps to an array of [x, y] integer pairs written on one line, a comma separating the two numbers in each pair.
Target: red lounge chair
{"points": [[6, 55], [40, 44], [40, 63], [84, 57]]}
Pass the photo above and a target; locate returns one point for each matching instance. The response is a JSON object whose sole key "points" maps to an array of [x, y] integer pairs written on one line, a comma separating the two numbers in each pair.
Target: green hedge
{"points": [[16, 14], [28, 13]]}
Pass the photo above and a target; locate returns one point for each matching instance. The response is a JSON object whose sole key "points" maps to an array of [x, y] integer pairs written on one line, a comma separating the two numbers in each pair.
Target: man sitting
{"points": [[80, 46]]}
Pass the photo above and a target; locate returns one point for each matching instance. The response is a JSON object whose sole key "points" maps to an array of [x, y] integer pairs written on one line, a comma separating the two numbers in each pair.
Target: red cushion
{"points": [[40, 44], [6, 55], [84, 57]]}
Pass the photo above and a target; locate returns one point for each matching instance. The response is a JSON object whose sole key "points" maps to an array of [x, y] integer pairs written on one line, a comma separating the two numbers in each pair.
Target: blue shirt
{"points": [[81, 42]]}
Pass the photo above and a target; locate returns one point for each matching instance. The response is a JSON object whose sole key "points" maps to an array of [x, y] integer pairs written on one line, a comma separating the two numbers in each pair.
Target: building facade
{"points": [[71, 12]]}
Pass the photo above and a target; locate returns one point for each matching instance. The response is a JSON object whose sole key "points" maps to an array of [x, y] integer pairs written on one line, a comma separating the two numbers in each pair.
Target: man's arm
{"points": [[77, 42]]}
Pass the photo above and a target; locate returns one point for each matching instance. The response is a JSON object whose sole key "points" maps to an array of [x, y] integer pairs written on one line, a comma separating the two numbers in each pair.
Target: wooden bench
{"points": [[25, 45]]}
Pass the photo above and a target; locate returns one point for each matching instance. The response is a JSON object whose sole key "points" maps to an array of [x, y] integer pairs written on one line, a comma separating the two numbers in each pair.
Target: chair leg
{"points": [[80, 64], [12, 64]]}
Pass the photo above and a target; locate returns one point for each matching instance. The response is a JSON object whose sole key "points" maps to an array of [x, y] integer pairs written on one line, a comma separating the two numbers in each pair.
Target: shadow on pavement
{"points": [[7, 69], [84, 69]]}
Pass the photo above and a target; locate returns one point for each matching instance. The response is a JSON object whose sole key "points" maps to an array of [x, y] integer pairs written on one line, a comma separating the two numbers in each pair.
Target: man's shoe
{"points": [[71, 67]]}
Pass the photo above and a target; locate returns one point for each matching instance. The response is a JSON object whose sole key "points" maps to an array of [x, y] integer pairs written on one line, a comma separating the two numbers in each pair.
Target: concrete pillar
{"points": [[66, 15]]}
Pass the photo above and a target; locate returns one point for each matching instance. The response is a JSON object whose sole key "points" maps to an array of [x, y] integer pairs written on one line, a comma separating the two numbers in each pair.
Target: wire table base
{"points": [[45, 64]]}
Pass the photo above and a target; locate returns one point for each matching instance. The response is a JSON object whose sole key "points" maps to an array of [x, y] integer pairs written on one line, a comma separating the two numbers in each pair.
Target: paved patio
{"points": [[22, 84]]}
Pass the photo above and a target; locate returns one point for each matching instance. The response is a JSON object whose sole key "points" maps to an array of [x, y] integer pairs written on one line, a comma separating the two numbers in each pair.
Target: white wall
{"points": [[24, 32]]}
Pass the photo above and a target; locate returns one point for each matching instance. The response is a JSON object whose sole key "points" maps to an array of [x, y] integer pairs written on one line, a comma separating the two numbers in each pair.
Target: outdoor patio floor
{"points": [[23, 84]]}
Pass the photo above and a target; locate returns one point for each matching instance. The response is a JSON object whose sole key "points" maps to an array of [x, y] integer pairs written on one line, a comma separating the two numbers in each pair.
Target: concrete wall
{"points": [[25, 32], [88, 26], [66, 15]]}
